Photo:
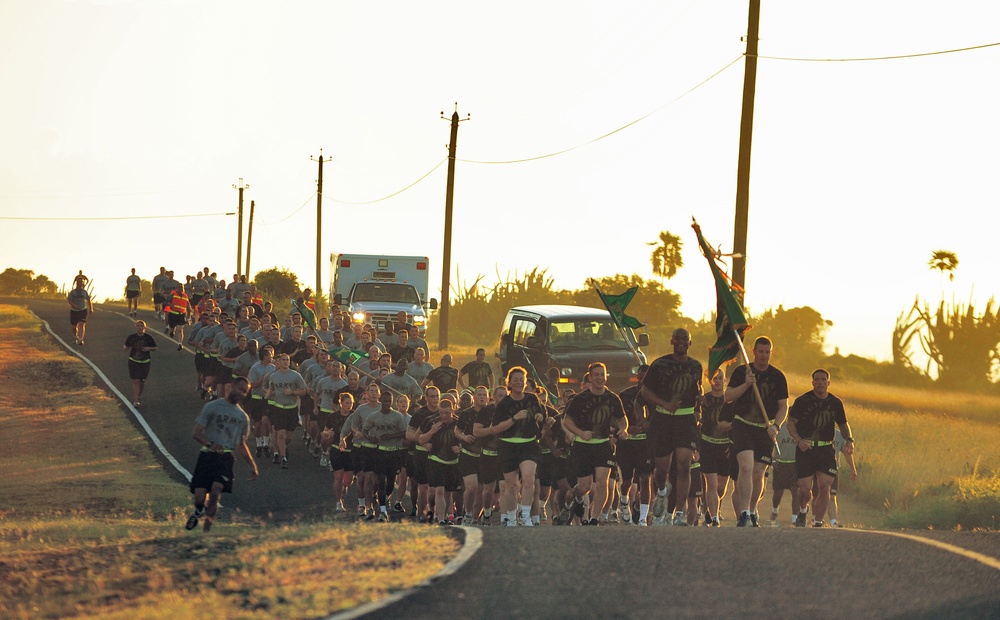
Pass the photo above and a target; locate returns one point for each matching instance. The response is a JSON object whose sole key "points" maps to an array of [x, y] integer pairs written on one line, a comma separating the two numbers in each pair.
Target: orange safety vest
{"points": [[179, 303], [259, 300], [311, 305]]}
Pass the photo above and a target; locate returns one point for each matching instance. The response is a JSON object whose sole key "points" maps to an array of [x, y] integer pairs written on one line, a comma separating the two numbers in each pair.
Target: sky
{"points": [[593, 127]]}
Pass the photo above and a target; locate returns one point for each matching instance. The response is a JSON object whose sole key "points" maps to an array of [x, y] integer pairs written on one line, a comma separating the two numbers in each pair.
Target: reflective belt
{"points": [[680, 411], [637, 437], [390, 448], [207, 449], [366, 444], [591, 442], [488, 452], [517, 439], [132, 359], [757, 424], [437, 459], [791, 462], [472, 454], [715, 440], [285, 407], [820, 443]]}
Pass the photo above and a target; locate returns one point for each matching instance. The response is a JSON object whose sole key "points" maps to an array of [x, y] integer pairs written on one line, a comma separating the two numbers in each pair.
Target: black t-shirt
{"points": [[135, 342], [672, 380], [522, 429], [485, 419], [444, 440], [419, 417], [815, 417], [713, 411], [773, 387], [479, 373], [444, 377], [593, 412], [397, 352], [466, 420]]}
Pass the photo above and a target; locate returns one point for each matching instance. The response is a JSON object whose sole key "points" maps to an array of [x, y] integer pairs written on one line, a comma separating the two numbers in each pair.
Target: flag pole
{"points": [[621, 330], [756, 392]]}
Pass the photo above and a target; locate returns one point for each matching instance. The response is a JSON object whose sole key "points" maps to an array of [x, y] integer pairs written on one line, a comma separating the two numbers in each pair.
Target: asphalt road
{"points": [[608, 572]]}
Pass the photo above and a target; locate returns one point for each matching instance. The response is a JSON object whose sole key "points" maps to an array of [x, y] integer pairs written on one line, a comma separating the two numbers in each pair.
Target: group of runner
{"points": [[376, 414]]}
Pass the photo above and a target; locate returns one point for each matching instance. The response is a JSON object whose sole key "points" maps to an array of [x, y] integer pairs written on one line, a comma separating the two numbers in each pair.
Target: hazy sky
{"points": [[134, 109]]}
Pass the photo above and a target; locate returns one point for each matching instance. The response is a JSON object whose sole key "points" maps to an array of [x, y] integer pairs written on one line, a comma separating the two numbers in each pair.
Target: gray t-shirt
{"points": [[244, 363], [326, 390], [132, 283], [225, 423], [419, 372], [279, 381], [379, 424], [257, 371], [404, 384], [78, 299]]}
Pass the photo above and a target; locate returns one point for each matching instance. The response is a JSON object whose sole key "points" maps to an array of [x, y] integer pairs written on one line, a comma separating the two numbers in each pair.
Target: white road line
{"points": [[473, 540], [138, 416], [965, 553]]}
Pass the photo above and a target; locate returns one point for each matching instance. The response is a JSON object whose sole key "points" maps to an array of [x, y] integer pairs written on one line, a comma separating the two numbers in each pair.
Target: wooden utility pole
{"points": [[319, 222], [448, 203], [249, 240], [239, 233], [746, 141]]}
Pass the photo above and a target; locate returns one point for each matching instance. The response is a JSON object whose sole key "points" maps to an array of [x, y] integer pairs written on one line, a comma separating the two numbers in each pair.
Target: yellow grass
{"points": [[92, 525]]}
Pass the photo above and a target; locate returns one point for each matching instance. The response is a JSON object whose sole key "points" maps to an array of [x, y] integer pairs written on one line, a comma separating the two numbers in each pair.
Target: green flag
{"points": [[345, 355], [616, 305], [729, 313], [307, 315]]}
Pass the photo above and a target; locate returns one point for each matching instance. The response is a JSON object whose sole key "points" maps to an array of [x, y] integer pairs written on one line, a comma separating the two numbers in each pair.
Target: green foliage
{"points": [[277, 284], [23, 282], [968, 502], [666, 257], [857, 368], [798, 335]]}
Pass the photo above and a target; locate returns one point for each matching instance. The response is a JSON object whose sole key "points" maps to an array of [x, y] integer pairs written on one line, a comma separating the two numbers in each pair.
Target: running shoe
{"points": [[525, 522], [413, 512], [192, 521], [383, 518], [398, 507], [660, 501], [444, 523], [578, 507], [594, 521], [276, 459], [753, 520], [260, 451], [339, 507], [744, 520], [800, 522], [370, 516], [284, 463], [679, 519], [81, 342], [563, 517], [624, 513], [179, 346], [818, 524], [506, 523], [642, 524], [136, 403], [76, 341], [613, 518], [324, 462]]}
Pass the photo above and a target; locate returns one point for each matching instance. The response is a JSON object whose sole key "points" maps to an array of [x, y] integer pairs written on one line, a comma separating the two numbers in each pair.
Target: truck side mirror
{"points": [[643, 340], [433, 304]]}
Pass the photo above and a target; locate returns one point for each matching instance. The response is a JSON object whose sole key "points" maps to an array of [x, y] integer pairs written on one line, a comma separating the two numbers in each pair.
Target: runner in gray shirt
{"points": [[403, 383], [386, 429]]}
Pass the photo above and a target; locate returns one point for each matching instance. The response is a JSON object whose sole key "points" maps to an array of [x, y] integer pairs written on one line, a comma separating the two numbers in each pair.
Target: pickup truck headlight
{"points": [[359, 317], [565, 372], [419, 321]]}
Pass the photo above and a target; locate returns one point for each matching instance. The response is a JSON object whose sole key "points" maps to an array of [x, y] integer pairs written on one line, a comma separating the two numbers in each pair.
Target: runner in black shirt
{"points": [[519, 418], [138, 346]]}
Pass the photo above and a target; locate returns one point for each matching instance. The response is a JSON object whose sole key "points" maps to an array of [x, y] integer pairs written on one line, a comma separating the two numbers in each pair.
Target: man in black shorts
{"points": [[79, 304], [811, 425], [133, 286], [715, 447], [634, 455], [138, 346], [673, 387], [221, 428], [754, 430]]}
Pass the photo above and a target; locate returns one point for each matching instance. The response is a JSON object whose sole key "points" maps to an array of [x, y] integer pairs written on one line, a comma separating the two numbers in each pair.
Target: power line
{"points": [[130, 217], [303, 206], [611, 133], [368, 202], [921, 54]]}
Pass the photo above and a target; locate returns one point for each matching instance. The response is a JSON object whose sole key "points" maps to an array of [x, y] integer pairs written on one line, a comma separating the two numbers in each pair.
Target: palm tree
{"points": [[666, 256], [943, 261]]}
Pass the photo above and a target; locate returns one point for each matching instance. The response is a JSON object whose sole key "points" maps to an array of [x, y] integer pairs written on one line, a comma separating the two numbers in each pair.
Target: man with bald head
{"points": [[444, 377]]}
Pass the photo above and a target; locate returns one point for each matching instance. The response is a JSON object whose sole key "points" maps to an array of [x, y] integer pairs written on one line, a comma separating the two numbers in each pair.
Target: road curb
{"points": [[472, 540]]}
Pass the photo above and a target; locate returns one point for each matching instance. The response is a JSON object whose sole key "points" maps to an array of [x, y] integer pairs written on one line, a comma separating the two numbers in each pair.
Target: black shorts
{"points": [[670, 432], [282, 419], [213, 467], [157, 298], [697, 488], [254, 407], [546, 470], [443, 475], [635, 459], [714, 458], [357, 460], [816, 460], [176, 319], [468, 465], [387, 462], [138, 370], [586, 458], [202, 364], [419, 472], [746, 437], [321, 418], [513, 454], [131, 294], [224, 374], [785, 477], [195, 300], [77, 316], [489, 468], [340, 461]]}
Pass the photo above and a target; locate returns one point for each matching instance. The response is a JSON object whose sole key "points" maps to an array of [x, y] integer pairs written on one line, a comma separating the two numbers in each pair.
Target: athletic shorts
{"points": [[546, 470], [408, 461], [443, 475], [670, 432], [746, 437], [255, 407], [513, 454], [77, 316], [697, 488], [785, 477], [213, 467], [157, 298], [357, 460], [176, 319], [282, 419], [195, 300], [468, 465], [635, 458], [818, 459], [714, 458], [489, 469], [138, 370], [131, 294], [322, 417], [202, 364], [387, 462], [224, 375], [419, 472], [340, 461], [586, 458]]}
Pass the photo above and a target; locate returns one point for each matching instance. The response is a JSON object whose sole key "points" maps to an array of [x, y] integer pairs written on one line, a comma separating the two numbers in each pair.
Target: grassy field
{"points": [[91, 526]]}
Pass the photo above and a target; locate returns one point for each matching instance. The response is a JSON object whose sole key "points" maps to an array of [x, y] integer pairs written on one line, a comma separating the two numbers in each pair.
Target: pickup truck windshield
{"points": [[386, 291], [586, 335]]}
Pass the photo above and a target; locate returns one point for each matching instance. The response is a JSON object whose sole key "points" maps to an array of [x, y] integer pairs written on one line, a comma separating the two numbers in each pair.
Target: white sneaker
{"points": [[660, 501], [525, 522], [324, 461], [641, 523], [624, 513], [679, 519]]}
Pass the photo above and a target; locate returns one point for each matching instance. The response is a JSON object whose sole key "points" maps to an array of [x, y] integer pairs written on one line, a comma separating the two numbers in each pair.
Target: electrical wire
{"points": [[919, 55], [610, 133], [368, 202], [303, 206], [96, 219]]}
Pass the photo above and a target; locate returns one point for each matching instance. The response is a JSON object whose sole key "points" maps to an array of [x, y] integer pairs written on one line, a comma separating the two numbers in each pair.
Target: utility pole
{"points": [[746, 140], [249, 240], [239, 234], [319, 221], [448, 203]]}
